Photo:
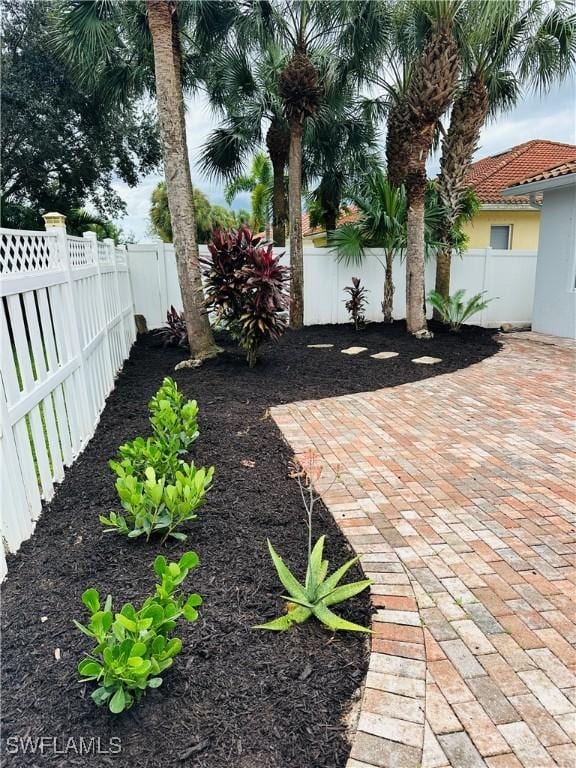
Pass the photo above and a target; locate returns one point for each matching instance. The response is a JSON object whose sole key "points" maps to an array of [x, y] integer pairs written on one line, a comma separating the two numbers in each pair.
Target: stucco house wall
{"points": [[524, 223], [555, 296]]}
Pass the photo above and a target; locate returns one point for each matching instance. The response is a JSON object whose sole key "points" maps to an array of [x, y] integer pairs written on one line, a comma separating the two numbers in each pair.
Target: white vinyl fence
{"points": [[506, 276], [66, 328]]}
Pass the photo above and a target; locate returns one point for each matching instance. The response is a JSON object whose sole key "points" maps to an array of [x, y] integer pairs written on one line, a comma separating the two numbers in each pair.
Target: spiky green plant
{"points": [[318, 592], [454, 310]]}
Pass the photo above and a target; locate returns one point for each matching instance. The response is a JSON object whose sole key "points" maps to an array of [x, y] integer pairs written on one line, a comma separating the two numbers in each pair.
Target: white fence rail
{"points": [[66, 328], [508, 278]]}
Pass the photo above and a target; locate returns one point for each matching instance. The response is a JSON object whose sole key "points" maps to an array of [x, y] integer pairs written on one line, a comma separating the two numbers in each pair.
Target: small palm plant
{"points": [[454, 310], [319, 591], [381, 224]]}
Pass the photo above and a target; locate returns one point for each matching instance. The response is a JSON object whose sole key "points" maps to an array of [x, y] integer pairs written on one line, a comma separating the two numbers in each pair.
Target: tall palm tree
{"points": [[170, 100], [382, 224], [338, 145], [326, 43], [136, 47], [260, 80], [259, 183], [506, 46], [243, 91], [427, 85]]}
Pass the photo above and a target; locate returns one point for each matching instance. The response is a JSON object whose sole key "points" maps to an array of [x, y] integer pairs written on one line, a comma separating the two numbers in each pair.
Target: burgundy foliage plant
{"points": [[174, 332], [247, 289], [356, 304]]}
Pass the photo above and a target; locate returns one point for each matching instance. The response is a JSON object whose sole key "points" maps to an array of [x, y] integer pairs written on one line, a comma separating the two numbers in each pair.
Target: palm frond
{"points": [[223, 154], [347, 245]]}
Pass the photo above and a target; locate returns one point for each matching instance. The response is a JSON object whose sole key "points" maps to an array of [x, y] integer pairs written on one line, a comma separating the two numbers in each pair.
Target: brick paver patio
{"points": [[459, 492]]}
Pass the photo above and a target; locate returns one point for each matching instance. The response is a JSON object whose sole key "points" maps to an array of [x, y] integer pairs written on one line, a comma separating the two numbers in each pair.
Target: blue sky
{"points": [[552, 116]]}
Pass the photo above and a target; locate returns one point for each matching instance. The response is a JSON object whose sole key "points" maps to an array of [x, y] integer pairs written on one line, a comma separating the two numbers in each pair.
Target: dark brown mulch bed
{"points": [[235, 698]]}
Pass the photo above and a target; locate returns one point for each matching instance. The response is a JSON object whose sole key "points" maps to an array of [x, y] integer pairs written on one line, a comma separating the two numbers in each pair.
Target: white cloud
{"points": [[549, 117]]}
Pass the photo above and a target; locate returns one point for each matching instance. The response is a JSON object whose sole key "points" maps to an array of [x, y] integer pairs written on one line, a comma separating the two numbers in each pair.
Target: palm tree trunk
{"points": [[411, 127], [415, 314], [177, 172], [330, 220], [279, 207], [295, 214], [388, 302], [469, 114], [278, 144], [443, 265]]}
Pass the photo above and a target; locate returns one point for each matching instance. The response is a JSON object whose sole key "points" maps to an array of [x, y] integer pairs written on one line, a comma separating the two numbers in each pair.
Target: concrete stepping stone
{"points": [[426, 360], [384, 355], [319, 346], [353, 350]]}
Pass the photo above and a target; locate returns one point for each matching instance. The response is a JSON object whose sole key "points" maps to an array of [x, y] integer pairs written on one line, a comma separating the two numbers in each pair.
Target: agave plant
{"points": [[318, 592], [454, 310]]}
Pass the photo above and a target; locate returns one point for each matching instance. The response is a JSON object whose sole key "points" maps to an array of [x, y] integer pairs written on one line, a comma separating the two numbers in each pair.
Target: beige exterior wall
{"points": [[525, 226]]}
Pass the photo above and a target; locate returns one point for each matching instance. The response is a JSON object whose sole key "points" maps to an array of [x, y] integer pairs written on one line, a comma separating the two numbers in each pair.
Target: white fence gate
{"points": [[66, 328], [508, 277]]}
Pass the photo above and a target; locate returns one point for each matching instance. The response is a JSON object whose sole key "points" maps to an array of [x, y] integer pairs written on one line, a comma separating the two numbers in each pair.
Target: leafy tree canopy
{"points": [[208, 217], [61, 149]]}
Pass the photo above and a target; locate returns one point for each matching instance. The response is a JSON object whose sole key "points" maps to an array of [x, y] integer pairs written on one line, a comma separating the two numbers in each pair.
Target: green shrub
{"points": [[454, 310], [139, 454], [174, 422], [172, 417], [133, 647], [154, 506], [168, 390]]}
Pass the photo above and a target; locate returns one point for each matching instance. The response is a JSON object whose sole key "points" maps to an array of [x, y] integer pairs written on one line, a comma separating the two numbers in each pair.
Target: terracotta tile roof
{"points": [[564, 169], [491, 175], [346, 217]]}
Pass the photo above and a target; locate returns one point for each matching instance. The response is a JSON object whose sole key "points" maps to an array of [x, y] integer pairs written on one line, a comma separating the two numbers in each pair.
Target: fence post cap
{"points": [[109, 241], [89, 235], [53, 219]]}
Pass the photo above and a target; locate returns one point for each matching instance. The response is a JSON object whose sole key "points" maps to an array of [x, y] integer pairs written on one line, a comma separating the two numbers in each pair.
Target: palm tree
{"points": [[170, 100], [340, 151], [506, 46], [259, 183], [137, 48], [426, 84], [327, 42], [338, 145], [243, 91], [382, 224]]}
